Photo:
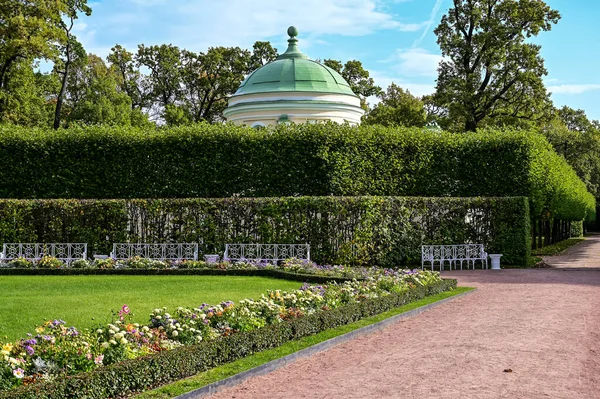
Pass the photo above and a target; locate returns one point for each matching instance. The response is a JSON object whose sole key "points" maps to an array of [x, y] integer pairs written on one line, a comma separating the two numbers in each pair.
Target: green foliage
{"points": [[386, 231], [135, 375], [314, 160], [357, 77], [397, 108], [577, 229], [491, 70], [558, 248]]}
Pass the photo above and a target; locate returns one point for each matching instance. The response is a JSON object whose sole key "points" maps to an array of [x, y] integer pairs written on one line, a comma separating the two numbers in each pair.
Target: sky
{"points": [[393, 39]]}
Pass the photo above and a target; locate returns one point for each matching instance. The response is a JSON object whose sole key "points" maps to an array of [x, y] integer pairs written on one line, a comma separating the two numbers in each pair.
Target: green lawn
{"points": [[84, 301]]}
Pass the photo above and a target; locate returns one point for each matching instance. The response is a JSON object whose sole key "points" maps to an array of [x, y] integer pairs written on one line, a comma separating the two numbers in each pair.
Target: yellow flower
{"points": [[39, 330], [6, 349]]}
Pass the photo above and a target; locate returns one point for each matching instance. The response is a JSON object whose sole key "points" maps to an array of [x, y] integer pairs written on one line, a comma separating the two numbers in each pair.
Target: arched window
{"points": [[258, 125]]}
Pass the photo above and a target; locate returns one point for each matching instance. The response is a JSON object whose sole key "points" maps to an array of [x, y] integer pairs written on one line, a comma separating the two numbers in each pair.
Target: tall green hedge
{"points": [[310, 160], [385, 231]]}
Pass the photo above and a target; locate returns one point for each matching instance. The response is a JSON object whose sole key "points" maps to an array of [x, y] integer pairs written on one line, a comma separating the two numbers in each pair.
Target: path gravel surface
{"points": [[585, 255], [522, 334]]}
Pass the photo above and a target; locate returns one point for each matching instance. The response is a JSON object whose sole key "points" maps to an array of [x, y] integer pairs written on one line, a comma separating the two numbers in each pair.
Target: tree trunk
{"points": [[470, 126], [61, 94], [540, 233], [534, 235]]}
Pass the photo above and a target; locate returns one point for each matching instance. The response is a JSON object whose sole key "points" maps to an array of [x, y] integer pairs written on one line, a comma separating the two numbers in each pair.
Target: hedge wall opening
{"points": [[310, 160], [385, 231]]}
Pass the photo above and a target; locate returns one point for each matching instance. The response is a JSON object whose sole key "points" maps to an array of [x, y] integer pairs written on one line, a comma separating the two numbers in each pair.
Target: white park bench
{"points": [[453, 254], [266, 252], [66, 252], [169, 251]]}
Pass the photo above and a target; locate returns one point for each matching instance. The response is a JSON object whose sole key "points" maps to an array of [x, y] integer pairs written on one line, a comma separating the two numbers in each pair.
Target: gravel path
{"points": [[543, 325], [585, 255]]}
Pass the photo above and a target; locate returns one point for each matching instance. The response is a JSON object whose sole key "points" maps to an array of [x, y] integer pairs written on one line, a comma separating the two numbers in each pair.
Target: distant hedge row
{"points": [[309, 160], [385, 231]]}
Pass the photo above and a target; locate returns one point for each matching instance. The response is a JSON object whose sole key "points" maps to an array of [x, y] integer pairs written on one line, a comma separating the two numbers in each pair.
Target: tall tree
{"points": [[29, 30], [262, 54], [129, 78], [577, 138], [71, 50], [210, 78], [165, 65], [397, 108], [357, 77], [489, 70]]}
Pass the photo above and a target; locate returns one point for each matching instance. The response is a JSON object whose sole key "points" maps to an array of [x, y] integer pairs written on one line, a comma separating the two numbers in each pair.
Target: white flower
{"points": [[119, 336], [158, 317], [105, 345], [112, 342], [123, 341], [175, 333], [145, 329], [99, 331]]}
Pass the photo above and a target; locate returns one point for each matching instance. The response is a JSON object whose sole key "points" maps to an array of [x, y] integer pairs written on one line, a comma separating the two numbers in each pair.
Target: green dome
{"points": [[292, 71]]}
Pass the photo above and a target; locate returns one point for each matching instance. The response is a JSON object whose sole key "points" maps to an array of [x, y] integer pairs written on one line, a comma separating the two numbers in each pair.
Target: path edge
{"points": [[273, 365]]}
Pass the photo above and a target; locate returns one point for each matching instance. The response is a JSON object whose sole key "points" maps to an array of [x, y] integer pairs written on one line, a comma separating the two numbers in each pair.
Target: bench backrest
{"points": [[169, 251], [67, 252], [458, 252], [268, 252]]}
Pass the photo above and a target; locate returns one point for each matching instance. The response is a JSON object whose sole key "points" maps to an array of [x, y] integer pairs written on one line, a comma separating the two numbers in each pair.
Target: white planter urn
{"points": [[495, 261]]}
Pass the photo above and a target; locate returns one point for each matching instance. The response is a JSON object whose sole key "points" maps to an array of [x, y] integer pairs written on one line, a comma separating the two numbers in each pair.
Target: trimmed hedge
{"points": [[304, 278], [312, 160], [132, 376], [385, 231]]}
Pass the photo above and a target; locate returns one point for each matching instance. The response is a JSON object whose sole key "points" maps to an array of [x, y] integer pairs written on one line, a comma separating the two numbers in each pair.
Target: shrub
{"points": [[81, 264], [385, 231], [49, 262], [20, 263], [206, 160]]}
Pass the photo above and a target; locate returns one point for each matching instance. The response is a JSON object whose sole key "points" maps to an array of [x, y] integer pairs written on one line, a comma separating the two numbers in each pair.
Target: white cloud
{"points": [[573, 89], [199, 24], [384, 80], [415, 62]]}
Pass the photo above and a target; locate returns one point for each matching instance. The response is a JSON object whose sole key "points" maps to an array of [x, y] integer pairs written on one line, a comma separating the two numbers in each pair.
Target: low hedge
{"points": [[133, 376], [383, 231], [279, 274], [311, 160]]}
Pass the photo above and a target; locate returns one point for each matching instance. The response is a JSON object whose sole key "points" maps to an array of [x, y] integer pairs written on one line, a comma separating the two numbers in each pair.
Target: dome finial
{"points": [[292, 32], [292, 50]]}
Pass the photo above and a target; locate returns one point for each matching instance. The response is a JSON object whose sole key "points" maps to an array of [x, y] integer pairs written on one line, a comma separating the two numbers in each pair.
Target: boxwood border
{"points": [[132, 376], [279, 274]]}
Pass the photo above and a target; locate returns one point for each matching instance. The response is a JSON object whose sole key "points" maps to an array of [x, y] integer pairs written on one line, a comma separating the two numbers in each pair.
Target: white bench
{"points": [[453, 254], [66, 252], [169, 251], [266, 252]]}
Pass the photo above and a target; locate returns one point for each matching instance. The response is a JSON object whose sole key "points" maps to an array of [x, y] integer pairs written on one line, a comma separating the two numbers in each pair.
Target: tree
{"points": [[71, 50], [397, 108], [164, 81], [577, 139], [29, 30], [262, 54], [129, 78], [488, 69], [357, 77], [210, 78], [93, 96]]}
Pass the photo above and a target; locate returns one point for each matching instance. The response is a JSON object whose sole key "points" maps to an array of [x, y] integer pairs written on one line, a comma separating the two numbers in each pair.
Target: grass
{"points": [[557, 248], [241, 365], [85, 301]]}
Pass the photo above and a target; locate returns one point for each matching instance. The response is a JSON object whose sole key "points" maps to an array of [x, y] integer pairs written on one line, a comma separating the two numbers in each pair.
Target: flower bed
{"points": [[202, 337], [293, 266]]}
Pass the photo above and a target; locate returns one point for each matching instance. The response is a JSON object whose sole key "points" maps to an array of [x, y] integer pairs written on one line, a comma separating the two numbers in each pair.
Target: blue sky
{"points": [[393, 38]]}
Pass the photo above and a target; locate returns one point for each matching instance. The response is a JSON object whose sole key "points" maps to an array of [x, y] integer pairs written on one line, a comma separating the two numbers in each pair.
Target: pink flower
{"points": [[99, 359], [125, 309], [19, 373]]}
